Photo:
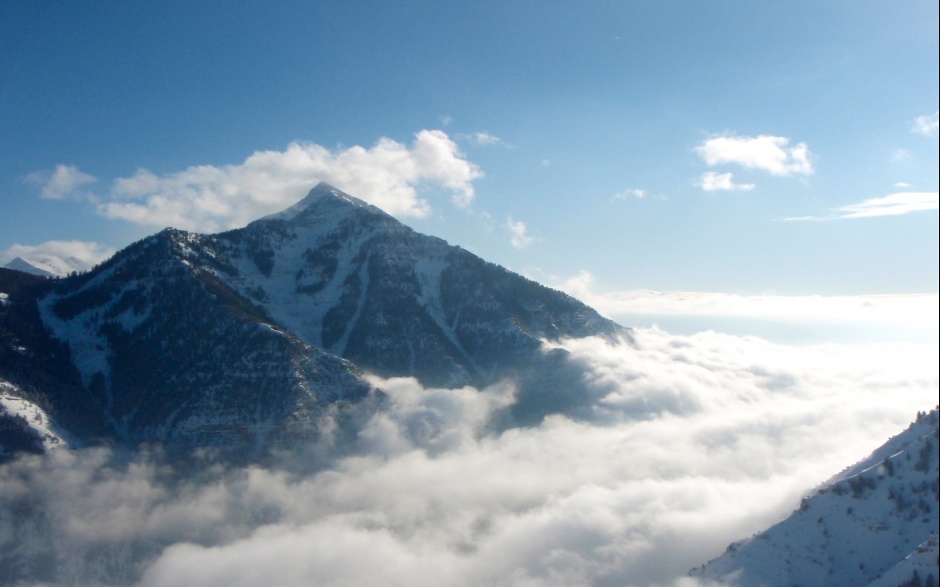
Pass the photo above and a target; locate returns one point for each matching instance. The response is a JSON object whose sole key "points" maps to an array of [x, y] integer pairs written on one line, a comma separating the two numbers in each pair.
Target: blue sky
{"points": [[769, 151]]}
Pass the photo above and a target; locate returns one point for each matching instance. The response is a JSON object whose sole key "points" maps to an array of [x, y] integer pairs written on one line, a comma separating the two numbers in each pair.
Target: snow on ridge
{"points": [[922, 561], [21, 264], [856, 529], [319, 191], [37, 418]]}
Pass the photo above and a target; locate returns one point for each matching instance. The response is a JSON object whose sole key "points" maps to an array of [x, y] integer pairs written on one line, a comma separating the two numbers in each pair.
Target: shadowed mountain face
{"points": [[245, 337]]}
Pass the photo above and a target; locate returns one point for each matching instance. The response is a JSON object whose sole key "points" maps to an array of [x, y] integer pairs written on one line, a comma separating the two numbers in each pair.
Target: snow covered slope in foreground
{"points": [[874, 524]]}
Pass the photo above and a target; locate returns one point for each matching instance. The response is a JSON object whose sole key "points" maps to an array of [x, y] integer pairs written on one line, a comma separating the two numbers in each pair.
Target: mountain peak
{"points": [[320, 191], [21, 264]]}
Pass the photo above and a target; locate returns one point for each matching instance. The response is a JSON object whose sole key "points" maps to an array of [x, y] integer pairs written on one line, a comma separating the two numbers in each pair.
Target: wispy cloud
{"points": [[901, 155], [518, 233], [764, 152], [484, 139], [907, 310], [890, 205], [711, 181], [927, 125], [61, 184], [59, 257], [629, 194], [209, 198]]}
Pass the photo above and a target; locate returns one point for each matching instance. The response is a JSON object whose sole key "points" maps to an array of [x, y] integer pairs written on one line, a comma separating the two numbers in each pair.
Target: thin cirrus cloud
{"points": [[687, 443], [209, 198], [891, 205]]}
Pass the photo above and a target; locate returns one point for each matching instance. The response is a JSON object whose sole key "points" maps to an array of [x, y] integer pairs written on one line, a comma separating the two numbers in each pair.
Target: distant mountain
{"points": [[20, 264], [874, 524], [243, 338]]}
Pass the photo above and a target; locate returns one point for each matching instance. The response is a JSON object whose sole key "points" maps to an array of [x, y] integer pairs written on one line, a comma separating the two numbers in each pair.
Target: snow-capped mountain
{"points": [[874, 524], [21, 264], [245, 337]]}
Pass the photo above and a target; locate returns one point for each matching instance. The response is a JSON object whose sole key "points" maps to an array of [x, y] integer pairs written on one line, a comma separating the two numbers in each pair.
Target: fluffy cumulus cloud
{"points": [[891, 205], [764, 152], [712, 181], [63, 183], [59, 257], [694, 441], [208, 198], [927, 125]]}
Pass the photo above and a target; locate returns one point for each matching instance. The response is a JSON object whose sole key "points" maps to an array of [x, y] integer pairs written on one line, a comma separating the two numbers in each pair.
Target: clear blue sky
{"points": [[730, 146]]}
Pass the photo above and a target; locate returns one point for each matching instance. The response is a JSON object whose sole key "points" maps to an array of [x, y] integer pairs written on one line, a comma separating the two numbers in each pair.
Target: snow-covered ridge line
{"points": [[871, 524]]}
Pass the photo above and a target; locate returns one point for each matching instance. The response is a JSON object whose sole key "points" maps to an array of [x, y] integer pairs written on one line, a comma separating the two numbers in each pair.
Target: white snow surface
{"points": [[923, 561], [303, 313], [37, 418], [871, 524], [320, 190]]}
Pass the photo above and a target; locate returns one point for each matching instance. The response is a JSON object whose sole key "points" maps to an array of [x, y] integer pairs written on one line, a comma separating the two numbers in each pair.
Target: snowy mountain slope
{"points": [[243, 338], [25, 426], [873, 524], [347, 277], [20, 264], [169, 354]]}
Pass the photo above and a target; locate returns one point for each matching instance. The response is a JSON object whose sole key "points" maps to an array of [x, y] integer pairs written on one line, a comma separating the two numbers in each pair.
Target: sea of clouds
{"points": [[691, 443]]}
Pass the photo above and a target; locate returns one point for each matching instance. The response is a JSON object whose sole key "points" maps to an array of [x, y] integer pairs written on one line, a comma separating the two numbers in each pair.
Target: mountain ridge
{"points": [[245, 336], [874, 524]]}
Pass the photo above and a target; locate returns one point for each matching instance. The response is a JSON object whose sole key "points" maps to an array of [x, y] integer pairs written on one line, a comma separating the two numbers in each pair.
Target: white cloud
{"points": [[765, 152], [628, 193], [901, 155], [518, 233], [891, 205], [484, 139], [712, 181], [62, 183], [695, 441], [907, 310], [209, 198], [927, 125], [59, 257]]}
